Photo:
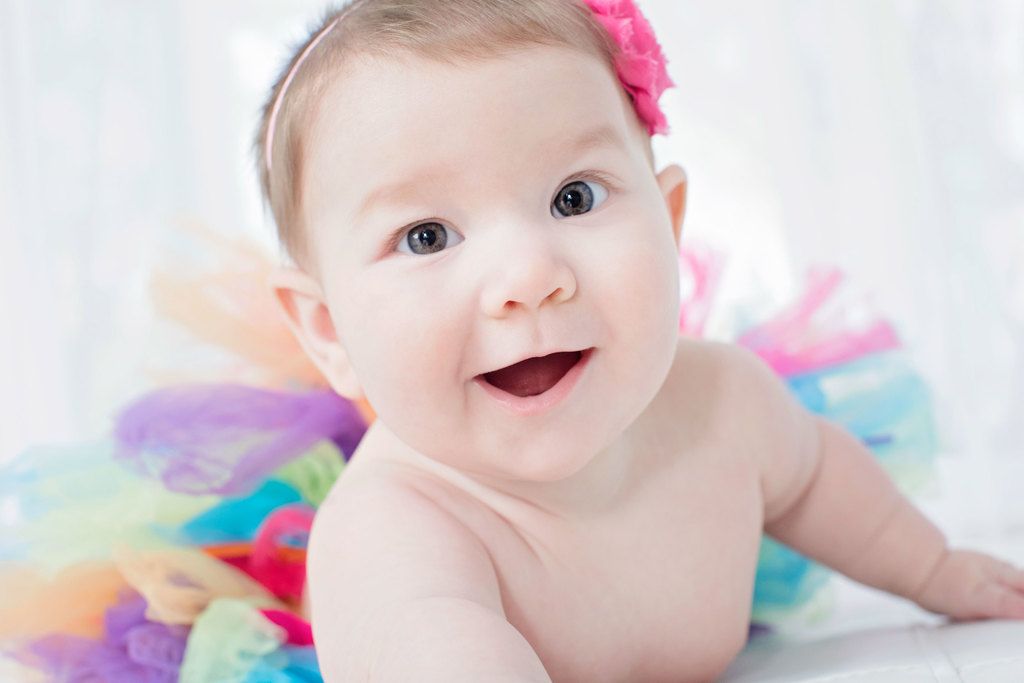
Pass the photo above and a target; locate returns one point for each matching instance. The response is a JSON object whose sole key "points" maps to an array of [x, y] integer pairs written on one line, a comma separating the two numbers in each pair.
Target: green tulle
{"points": [[313, 474], [227, 641]]}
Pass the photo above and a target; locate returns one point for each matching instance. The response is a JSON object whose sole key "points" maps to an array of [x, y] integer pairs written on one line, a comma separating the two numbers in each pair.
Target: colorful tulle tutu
{"points": [[174, 549]]}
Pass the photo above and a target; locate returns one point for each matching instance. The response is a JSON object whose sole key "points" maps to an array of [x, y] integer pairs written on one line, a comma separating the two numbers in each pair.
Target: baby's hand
{"points": [[973, 585]]}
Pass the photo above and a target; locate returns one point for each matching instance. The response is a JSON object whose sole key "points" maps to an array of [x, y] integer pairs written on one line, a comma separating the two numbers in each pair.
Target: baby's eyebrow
{"points": [[593, 138], [603, 135]]}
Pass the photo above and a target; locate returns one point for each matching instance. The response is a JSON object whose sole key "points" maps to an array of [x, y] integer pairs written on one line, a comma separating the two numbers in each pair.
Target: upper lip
{"points": [[539, 354]]}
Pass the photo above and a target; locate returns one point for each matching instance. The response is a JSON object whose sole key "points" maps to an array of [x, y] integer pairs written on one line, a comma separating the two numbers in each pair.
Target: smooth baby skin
{"points": [[652, 583], [418, 574], [614, 536]]}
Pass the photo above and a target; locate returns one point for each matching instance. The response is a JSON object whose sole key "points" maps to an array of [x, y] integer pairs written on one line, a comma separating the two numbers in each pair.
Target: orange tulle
{"points": [[178, 583], [233, 551], [231, 305], [70, 602], [364, 408]]}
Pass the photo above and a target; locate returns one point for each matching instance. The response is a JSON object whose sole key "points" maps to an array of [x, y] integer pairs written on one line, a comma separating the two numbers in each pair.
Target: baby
{"points": [[557, 486]]}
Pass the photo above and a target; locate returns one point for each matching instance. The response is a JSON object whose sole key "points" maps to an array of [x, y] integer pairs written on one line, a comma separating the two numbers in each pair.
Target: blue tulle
{"points": [[237, 519]]}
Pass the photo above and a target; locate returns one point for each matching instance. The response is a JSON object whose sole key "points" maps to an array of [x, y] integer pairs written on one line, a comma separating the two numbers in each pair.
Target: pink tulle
{"points": [[285, 578], [640, 64], [700, 267], [299, 630], [225, 439], [793, 342]]}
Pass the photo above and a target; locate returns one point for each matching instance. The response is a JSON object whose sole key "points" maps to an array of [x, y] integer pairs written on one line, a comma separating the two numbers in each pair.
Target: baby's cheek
{"points": [[409, 356], [644, 280], [641, 303], [406, 349]]}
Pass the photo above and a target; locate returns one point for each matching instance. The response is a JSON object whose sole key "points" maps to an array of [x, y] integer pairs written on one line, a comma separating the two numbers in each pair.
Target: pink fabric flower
{"points": [[640, 65]]}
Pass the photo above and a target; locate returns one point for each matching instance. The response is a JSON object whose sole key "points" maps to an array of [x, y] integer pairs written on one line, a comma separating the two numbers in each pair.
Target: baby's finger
{"points": [[996, 601], [1011, 576]]}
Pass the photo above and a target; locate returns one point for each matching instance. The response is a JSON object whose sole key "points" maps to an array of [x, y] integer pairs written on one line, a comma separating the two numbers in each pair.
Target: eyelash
{"points": [[597, 176]]}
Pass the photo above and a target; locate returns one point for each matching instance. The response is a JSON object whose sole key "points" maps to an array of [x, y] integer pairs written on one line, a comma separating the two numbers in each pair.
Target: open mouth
{"points": [[533, 376]]}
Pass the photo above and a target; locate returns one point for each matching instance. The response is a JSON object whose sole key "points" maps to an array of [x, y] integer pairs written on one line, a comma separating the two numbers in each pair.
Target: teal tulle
{"points": [[786, 581], [238, 519], [883, 402]]}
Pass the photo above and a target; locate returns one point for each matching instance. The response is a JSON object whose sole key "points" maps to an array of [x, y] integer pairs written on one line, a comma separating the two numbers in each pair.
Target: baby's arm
{"points": [[401, 591], [827, 497]]}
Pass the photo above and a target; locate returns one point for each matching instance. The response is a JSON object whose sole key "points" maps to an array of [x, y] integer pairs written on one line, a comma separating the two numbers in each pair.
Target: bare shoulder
{"points": [[733, 380], [379, 543], [721, 360], [383, 527], [757, 416], [715, 381]]}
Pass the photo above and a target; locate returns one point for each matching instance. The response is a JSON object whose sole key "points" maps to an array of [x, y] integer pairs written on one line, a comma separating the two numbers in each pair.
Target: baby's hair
{"points": [[448, 31]]}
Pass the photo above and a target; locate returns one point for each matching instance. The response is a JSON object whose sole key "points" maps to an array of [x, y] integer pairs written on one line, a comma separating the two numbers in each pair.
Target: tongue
{"points": [[534, 375]]}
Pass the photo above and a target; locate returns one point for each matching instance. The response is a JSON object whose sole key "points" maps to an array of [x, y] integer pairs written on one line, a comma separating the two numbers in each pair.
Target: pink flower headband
{"points": [[640, 64]]}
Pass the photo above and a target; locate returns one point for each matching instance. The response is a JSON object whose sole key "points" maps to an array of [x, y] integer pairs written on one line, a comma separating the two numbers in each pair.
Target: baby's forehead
{"points": [[536, 94], [401, 118]]}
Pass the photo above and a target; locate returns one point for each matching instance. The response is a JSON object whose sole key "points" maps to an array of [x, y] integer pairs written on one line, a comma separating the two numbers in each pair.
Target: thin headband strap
{"points": [[269, 143]]}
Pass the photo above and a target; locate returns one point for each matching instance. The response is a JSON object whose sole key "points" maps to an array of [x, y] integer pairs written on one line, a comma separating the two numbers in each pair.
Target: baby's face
{"points": [[466, 217]]}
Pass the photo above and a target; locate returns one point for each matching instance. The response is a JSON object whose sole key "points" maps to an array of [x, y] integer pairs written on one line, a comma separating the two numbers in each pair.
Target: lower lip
{"points": [[535, 405]]}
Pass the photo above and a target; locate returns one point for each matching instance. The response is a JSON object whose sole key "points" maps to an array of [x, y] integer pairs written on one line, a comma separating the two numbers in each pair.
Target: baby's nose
{"points": [[527, 278]]}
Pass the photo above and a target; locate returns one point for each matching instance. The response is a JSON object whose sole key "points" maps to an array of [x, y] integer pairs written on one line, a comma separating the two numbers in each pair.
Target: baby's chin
{"points": [[548, 459], [541, 468], [538, 468], [551, 471], [536, 454]]}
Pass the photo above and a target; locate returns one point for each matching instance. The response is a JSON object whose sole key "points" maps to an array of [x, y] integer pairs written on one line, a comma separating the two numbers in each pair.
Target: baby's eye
{"points": [[427, 238], [579, 196]]}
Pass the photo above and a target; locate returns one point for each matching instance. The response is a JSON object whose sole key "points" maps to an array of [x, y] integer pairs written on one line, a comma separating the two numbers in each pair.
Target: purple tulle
{"points": [[225, 438], [121, 618], [133, 650]]}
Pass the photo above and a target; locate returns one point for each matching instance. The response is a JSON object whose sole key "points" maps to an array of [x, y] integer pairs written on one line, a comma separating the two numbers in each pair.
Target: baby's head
{"points": [[463, 184]]}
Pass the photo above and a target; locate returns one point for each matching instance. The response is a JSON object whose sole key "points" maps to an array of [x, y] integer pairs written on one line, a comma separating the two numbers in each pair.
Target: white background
{"points": [[886, 137]]}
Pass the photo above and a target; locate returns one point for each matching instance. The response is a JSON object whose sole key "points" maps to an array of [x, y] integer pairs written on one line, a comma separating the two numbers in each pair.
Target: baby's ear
{"points": [[302, 301], [672, 181]]}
